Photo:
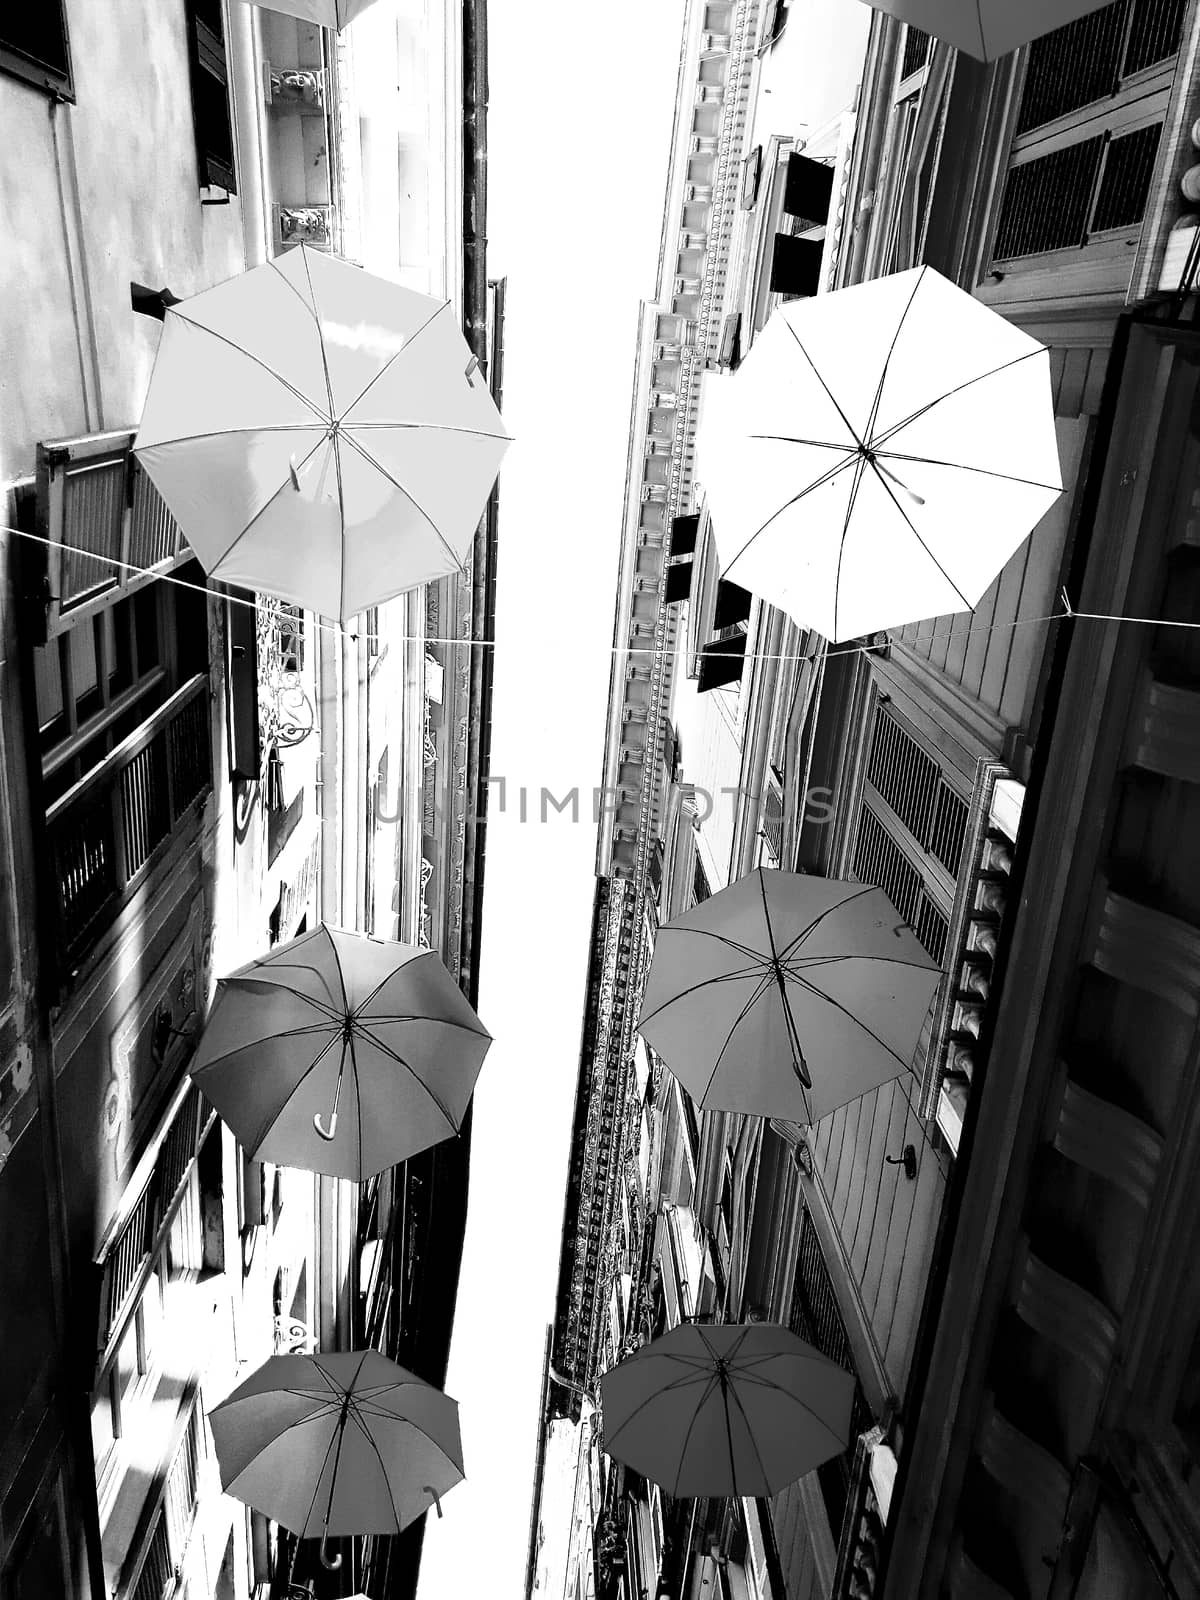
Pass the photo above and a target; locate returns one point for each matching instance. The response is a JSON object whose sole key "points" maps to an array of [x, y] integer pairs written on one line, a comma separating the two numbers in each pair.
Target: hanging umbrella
{"points": [[724, 1409], [346, 1443], [787, 995], [320, 434], [325, 13], [880, 454], [340, 1054], [987, 29]]}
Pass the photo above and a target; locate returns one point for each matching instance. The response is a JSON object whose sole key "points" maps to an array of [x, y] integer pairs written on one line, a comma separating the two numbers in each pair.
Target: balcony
{"points": [[107, 831]]}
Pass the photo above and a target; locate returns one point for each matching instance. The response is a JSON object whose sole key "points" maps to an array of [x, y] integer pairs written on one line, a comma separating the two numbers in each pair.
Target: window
{"points": [[680, 557], [210, 94], [1088, 130], [911, 828], [34, 45]]}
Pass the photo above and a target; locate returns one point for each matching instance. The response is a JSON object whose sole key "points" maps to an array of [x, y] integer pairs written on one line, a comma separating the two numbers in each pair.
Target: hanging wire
{"points": [[1067, 614]]}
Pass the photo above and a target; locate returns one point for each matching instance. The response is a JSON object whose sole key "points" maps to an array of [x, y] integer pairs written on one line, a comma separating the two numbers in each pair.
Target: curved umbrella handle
{"points": [[437, 1499], [330, 1563], [326, 1133]]}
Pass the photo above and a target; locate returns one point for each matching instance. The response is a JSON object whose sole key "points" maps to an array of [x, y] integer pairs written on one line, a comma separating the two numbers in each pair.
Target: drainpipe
{"points": [[250, 129]]}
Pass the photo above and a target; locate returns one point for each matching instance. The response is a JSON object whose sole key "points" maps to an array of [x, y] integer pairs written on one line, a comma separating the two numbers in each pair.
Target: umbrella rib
{"points": [[395, 356], [763, 986], [695, 988], [335, 420], [383, 472], [846, 420], [293, 1091], [967, 606], [437, 1022], [256, 360], [264, 508], [387, 978], [749, 1434], [687, 1438], [832, 961], [817, 483], [360, 1424], [828, 911], [859, 463], [260, 427], [895, 428], [300, 966], [891, 352], [429, 427], [722, 938], [858, 1022], [962, 466], [799, 1064], [254, 1044], [387, 1050]]}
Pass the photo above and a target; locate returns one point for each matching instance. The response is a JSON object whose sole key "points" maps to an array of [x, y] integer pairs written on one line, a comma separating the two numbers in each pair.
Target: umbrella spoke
{"points": [[687, 1438], [258, 362], [817, 483], [962, 466], [723, 938], [387, 1050], [828, 911], [705, 983], [762, 1467], [799, 1064], [762, 989], [895, 428], [395, 356], [966, 604], [816, 374], [418, 1016], [888, 358], [858, 1022], [383, 1471], [408, 495], [257, 1044]]}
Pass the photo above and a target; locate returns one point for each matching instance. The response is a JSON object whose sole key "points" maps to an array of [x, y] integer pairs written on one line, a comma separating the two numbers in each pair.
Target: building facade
{"points": [[986, 1241], [192, 775]]}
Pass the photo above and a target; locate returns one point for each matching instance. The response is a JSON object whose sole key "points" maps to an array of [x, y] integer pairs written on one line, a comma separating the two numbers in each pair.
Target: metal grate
{"points": [[128, 1254], [189, 754], [1047, 202], [1073, 66], [154, 534], [879, 860], [948, 828], [1154, 36], [916, 51], [144, 810], [902, 773], [158, 1569], [1087, 60], [931, 928], [1125, 186], [93, 518]]}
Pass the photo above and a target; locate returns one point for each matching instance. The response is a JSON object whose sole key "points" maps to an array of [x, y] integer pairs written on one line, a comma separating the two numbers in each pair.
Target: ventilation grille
{"points": [[1087, 60]]}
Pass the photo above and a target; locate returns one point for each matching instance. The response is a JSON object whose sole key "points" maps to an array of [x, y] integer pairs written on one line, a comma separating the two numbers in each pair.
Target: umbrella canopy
{"points": [[787, 995], [880, 454], [987, 29], [325, 13], [726, 1409], [320, 434], [372, 1035], [345, 1443]]}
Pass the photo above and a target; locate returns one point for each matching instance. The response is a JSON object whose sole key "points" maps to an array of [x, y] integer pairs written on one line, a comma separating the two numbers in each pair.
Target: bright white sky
{"points": [[579, 125]]}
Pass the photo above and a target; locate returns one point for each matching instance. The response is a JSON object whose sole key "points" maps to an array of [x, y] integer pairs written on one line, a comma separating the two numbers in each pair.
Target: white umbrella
{"points": [[880, 454], [723, 1409], [320, 434], [341, 1054], [786, 995], [325, 13], [987, 29], [336, 1444]]}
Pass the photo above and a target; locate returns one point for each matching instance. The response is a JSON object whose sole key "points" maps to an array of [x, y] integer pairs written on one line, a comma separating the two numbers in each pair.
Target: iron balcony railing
{"points": [[168, 1518], [105, 831]]}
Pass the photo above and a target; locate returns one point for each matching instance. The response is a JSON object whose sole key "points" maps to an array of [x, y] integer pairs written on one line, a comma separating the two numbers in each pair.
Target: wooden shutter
{"points": [[796, 265], [245, 749], [95, 501], [35, 46], [807, 189], [210, 94]]}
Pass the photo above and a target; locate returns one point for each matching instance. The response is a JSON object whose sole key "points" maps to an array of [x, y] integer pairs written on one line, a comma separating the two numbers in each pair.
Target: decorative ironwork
{"points": [[286, 714]]}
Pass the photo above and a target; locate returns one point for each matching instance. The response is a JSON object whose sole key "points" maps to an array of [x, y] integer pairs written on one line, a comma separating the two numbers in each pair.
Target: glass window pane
{"points": [[102, 1423], [47, 666], [84, 669]]}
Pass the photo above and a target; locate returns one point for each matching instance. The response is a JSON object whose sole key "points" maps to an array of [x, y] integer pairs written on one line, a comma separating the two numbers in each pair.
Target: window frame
{"points": [[15, 63], [212, 171]]}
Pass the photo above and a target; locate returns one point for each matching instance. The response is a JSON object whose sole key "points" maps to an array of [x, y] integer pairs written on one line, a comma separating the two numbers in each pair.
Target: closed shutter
{"points": [[210, 94], [796, 265], [1088, 128], [721, 663], [34, 45], [910, 833], [808, 189], [107, 529]]}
